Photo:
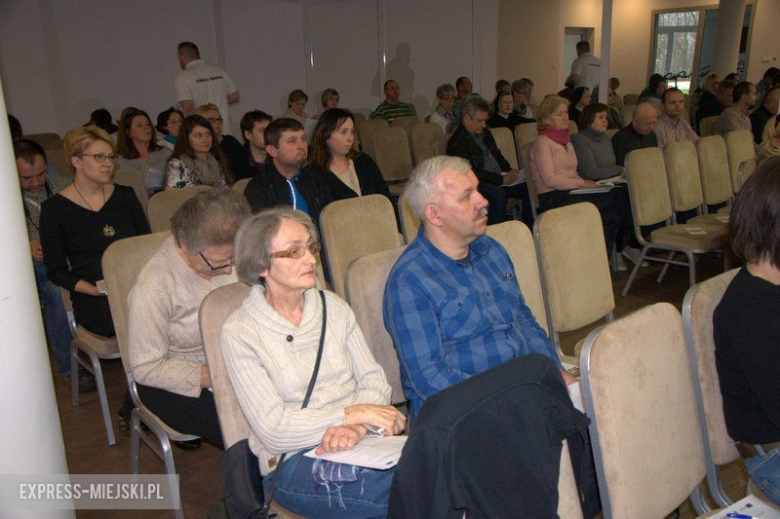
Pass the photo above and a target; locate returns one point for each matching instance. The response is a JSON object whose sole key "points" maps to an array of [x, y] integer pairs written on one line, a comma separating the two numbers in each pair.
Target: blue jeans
{"points": [[297, 491], [765, 473], [55, 319]]}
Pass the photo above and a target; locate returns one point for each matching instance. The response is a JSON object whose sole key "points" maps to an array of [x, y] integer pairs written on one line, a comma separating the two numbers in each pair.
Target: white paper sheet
{"points": [[375, 453]]}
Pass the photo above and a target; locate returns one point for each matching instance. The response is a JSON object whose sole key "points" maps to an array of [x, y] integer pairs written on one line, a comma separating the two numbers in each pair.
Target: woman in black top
{"points": [[747, 330], [349, 174], [579, 100], [82, 220], [504, 115]]}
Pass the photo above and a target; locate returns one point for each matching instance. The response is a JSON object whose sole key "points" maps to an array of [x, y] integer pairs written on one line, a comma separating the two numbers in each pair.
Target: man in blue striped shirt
{"points": [[452, 303]]}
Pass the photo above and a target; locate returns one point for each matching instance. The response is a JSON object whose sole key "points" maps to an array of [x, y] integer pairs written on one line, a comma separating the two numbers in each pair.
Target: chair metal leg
{"points": [[170, 467], [135, 441], [74, 372], [634, 271], [691, 268], [665, 268], [101, 388], [699, 501]]}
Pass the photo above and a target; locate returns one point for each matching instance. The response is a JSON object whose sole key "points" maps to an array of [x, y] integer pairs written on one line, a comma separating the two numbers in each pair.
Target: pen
{"points": [[741, 516]]}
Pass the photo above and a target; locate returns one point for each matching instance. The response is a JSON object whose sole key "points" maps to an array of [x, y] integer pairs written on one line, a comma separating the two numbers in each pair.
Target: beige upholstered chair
{"points": [[58, 160], [573, 127], [427, 140], [240, 185], [96, 348], [506, 145], [392, 155], [133, 178], [365, 282], [409, 222], [627, 113], [569, 242], [525, 133], [631, 99], [529, 179], [407, 122], [682, 173], [705, 125], [45, 139], [214, 311], [164, 204], [611, 133], [698, 308], [714, 171], [354, 227], [122, 262], [638, 391], [366, 129], [650, 205], [740, 148]]}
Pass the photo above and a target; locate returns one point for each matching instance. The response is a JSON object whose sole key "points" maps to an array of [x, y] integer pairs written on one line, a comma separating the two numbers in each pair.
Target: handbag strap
{"points": [[267, 505]]}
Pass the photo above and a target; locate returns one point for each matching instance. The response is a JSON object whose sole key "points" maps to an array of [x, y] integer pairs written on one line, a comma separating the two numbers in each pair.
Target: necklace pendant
{"points": [[108, 231]]}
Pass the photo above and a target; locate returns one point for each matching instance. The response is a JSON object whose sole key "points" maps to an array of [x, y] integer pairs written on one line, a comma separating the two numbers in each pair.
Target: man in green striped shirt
{"points": [[392, 106]]}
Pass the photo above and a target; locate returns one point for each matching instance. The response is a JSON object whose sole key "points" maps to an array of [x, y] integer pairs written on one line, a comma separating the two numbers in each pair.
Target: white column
{"points": [[727, 33], [32, 435], [606, 37]]}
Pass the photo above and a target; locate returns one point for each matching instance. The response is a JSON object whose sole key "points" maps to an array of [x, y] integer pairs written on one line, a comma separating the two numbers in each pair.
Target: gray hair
{"points": [[208, 219], [252, 254], [475, 103], [445, 89], [418, 188], [521, 85]]}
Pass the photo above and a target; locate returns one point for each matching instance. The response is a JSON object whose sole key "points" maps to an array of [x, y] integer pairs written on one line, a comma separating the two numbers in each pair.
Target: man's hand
{"points": [[386, 417], [511, 177], [36, 249], [205, 378], [85, 287], [567, 378], [340, 438], [588, 183]]}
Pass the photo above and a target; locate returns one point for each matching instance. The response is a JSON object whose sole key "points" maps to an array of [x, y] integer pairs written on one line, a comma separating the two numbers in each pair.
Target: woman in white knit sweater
{"points": [[166, 348], [270, 346]]}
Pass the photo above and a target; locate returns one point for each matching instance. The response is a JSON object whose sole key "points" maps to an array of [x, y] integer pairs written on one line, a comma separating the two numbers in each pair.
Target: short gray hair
{"points": [[252, 254], [418, 188], [521, 85], [208, 219], [474, 104], [445, 89]]}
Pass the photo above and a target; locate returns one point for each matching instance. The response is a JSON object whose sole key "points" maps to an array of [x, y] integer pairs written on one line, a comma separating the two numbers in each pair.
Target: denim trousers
{"points": [[765, 473], [55, 319], [298, 491]]}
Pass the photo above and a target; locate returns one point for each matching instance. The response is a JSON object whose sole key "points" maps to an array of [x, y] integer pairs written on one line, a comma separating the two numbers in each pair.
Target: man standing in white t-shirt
{"points": [[585, 69], [199, 83]]}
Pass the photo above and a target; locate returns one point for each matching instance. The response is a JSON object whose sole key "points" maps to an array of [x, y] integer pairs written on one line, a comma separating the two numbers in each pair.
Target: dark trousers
{"points": [[497, 197], [185, 414]]}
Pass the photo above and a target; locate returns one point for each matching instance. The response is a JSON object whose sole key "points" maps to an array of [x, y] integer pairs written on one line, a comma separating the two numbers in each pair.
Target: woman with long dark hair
{"points": [[196, 159]]}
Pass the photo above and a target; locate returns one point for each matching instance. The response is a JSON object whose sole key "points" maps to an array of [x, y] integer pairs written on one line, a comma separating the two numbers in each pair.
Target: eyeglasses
{"points": [[215, 119], [212, 267], [100, 158], [297, 252]]}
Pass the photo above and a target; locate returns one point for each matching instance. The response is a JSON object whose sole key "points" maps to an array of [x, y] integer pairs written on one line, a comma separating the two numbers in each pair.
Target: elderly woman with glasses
{"points": [[271, 348], [81, 221], [166, 348]]}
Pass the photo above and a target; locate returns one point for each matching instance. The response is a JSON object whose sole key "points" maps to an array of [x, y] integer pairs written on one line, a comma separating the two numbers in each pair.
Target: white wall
{"points": [[61, 60]]}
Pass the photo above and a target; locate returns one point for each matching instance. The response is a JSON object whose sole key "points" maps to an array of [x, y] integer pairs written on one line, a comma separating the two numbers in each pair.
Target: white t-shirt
{"points": [[202, 83], [587, 68]]}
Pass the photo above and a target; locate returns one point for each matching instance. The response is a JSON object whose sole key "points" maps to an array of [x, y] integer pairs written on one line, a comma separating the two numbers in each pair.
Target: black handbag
{"points": [[241, 480]]}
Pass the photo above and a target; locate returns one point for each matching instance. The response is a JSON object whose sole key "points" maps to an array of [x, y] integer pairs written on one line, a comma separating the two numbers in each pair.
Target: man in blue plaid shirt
{"points": [[452, 303]]}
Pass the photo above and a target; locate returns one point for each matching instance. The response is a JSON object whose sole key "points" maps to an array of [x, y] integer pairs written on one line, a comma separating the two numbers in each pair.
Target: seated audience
{"points": [[522, 90], [568, 90], [763, 86], [138, 150], [15, 127], [443, 115], [196, 159], [270, 345], [228, 145], [770, 145], [764, 113], [473, 142], [330, 99], [655, 87], [554, 170], [735, 117], [348, 173], [82, 220], [504, 115], [449, 304], [502, 85], [296, 106], [102, 119], [579, 100], [595, 156], [637, 135], [168, 124], [251, 159], [746, 330], [392, 106], [614, 100], [732, 77], [671, 126], [464, 89], [712, 107], [165, 344], [286, 179]]}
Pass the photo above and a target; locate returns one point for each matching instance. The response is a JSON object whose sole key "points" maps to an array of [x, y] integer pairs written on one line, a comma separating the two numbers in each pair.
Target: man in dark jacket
{"points": [[251, 159], [285, 180], [473, 142]]}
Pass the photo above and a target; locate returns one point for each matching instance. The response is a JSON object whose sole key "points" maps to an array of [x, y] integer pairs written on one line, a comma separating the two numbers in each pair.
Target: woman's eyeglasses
{"points": [[297, 251], [100, 158], [212, 267]]}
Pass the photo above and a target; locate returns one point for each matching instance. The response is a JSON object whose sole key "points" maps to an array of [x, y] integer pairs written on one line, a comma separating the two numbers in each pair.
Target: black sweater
{"points": [[463, 145], [369, 177]]}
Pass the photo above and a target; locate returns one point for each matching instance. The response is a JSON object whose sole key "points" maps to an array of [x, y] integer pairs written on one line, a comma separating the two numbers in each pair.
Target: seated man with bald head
{"points": [[637, 135], [764, 113]]}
